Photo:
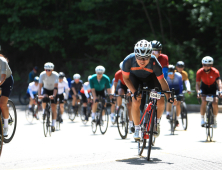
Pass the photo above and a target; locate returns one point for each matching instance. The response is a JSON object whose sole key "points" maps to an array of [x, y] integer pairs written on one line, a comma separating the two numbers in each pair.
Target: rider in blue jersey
{"points": [[175, 81]]}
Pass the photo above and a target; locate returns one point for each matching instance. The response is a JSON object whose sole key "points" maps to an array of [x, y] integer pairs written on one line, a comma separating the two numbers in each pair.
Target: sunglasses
{"points": [[207, 65], [48, 70], [143, 58]]}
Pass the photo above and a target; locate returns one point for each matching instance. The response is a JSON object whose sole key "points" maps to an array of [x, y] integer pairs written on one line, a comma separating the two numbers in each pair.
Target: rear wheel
{"points": [[12, 121], [122, 122], [94, 126], [184, 115], [104, 121]]}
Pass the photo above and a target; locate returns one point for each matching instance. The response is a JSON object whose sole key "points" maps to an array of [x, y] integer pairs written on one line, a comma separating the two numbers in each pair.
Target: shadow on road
{"points": [[142, 161], [205, 141]]}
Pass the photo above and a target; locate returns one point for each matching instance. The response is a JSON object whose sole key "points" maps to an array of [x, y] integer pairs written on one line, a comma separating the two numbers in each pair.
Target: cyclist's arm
{"points": [[74, 90], [93, 93], [114, 88], [164, 86], [66, 90], [3, 77], [198, 86], [30, 92], [187, 84], [129, 83], [219, 84], [40, 88], [109, 91], [55, 89]]}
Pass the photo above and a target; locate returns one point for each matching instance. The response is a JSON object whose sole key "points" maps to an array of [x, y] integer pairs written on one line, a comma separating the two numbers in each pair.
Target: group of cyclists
{"points": [[146, 65]]}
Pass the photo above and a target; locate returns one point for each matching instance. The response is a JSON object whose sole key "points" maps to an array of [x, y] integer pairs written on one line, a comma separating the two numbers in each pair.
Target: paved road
{"points": [[76, 147]]}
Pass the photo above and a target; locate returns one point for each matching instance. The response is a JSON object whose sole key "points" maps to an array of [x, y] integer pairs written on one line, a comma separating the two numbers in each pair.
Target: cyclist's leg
{"points": [[84, 105], [178, 110], [73, 101], [54, 113], [168, 110]]}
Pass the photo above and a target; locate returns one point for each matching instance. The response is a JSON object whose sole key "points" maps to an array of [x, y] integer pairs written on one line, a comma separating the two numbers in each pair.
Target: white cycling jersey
{"points": [[49, 81], [86, 88], [63, 86], [4, 67], [32, 89]]}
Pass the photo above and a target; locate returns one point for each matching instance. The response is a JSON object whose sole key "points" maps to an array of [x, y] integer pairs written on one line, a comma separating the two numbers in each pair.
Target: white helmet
{"points": [[89, 77], [121, 65], [49, 66], [143, 48], [207, 60], [100, 69], [76, 76]]}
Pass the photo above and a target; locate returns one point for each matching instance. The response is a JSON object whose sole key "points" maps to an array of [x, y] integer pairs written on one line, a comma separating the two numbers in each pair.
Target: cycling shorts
{"points": [[84, 99], [208, 89], [7, 86], [49, 93], [60, 97], [100, 93], [124, 87]]}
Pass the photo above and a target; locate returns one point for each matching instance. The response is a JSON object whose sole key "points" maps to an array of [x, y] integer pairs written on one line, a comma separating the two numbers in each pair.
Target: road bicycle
{"points": [[88, 113], [209, 116], [73, 113], [101, 118], [34, 113], [122, 117], [149, 118]]}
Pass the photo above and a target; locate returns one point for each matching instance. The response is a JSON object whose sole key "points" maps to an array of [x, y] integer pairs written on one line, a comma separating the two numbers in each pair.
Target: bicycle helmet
{"points": [[121, 65], [61, 75], [49, 66], [100, 69], [143, 48], [36, 79], [180, 64], [207, 60], [156, 45], [171, 68], [76, 76], [89, 77]]}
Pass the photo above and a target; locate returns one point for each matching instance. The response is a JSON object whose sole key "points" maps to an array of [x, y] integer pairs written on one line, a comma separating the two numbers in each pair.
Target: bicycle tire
{"points": [[23, 98], [104, 121], [58, 119], [12, 121], [94, 125], [122, 122], [1, 137], [45, 127], [72, 115], [141, 146], [173, 119], [29, 115], [209, 127], [184, 115], [153, 112]]}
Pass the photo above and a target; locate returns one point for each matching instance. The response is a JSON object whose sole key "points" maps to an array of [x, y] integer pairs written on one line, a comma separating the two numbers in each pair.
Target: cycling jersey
{"points": [[176, 83], [49, 81], [77, 86], [119, 76], [99, 85], [63, 86], [184, 75], [86, 89], [209, 78], [32, 89], [130, 66], [163, 59], [4, 67]]}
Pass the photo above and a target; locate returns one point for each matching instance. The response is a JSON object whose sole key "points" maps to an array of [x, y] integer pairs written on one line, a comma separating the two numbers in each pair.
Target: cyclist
{"points": [[139, 67], [62, 85], [85, 93], [180, 68], [175, 81], [122, 89], [76, 86], [32, 74], [98, 83], [49, 80], [6, 85], [162, 58], [32, 91], [208, 81]]}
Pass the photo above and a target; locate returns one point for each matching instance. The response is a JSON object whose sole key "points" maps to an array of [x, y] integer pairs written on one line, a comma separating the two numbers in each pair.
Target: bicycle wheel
{"points": [[12, 121], [153, 141], [72, 115], [23, 98], [104, 121], [58, 119], [122, 122], [153, 112], [173, 119], [141, 145], [184, 115], [209, 126], [45, 126], [1, 136], [83, 117], [28, 114]]}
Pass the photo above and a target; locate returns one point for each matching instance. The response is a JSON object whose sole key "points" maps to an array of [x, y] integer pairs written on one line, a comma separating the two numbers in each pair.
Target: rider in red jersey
{"points": [[208, 81]]}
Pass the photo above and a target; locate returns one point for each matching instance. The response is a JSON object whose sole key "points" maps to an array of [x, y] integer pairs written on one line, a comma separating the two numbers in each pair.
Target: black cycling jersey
{"points": [[77, 86], [130, 66]]}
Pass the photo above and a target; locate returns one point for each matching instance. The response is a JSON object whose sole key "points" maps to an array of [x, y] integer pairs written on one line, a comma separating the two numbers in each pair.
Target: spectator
{"points": [[32, 74]]}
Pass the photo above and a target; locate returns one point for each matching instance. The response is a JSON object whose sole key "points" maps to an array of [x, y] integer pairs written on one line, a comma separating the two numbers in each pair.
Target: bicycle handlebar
{"points": [[156, 89]]}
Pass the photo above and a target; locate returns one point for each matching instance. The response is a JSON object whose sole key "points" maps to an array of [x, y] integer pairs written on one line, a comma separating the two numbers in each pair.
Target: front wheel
{"points": [[104, 121], [122, 122], [173, 119], [184, 116], [12, 121], [141, 146], [29, 115]]}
